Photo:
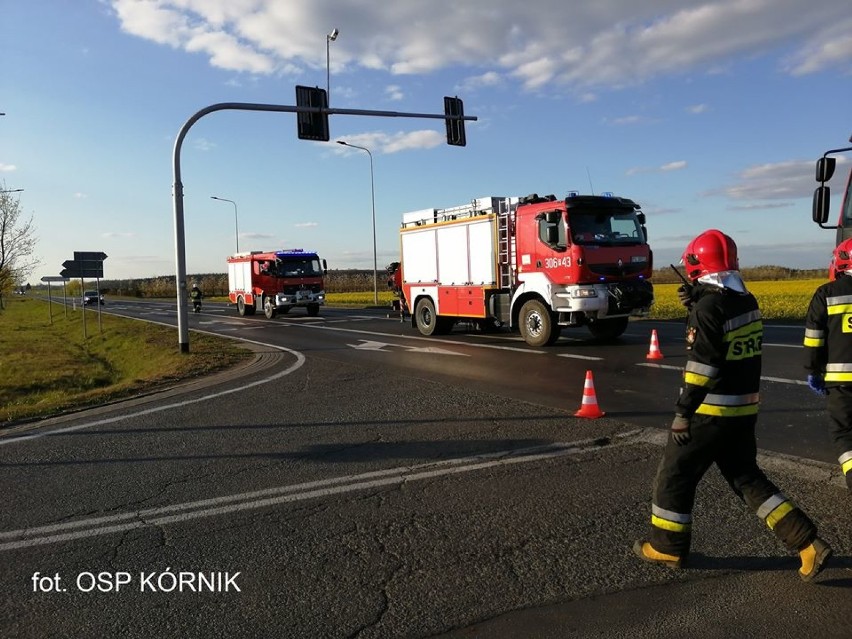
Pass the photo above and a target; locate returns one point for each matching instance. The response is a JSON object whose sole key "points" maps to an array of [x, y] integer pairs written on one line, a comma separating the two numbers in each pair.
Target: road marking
{"points": [[415, 337], [571, 355], [95, 526], [780, 380], [300, 360], [370, 345]]}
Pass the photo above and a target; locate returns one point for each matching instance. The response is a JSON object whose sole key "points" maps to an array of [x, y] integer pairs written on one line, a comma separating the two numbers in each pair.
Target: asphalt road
{"points": [[359, 481]]}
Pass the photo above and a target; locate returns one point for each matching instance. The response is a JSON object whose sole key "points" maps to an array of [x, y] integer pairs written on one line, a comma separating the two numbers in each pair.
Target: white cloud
{"points": [[782, 180], [379, 142], [697, 109], [613, 43], [394, 92], [305, 225], [116, 234], [80, 196], [489, 79], [678, 165], [203, 144], [7, 168]]}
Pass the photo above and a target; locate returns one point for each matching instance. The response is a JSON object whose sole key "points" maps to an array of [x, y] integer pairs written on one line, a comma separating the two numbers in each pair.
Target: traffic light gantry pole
{"points": [[313, 103]]}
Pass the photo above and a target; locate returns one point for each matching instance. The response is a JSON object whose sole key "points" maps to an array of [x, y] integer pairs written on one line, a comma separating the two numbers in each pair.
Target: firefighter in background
{"points": [[196, 296], [717, 414], [394, 275], [828, 349]]}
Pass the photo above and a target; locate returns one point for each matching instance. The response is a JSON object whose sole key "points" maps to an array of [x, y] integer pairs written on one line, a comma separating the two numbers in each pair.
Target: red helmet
{"points": [[843, 256], [710, 252]]}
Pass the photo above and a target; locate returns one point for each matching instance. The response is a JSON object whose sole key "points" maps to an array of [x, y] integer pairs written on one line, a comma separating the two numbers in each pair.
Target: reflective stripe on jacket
{"points": [[724, 343], [828, 332]]}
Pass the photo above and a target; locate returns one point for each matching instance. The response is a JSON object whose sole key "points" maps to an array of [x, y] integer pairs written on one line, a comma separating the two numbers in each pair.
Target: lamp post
{"points": [[373, 201], [236, 226], [329, 38]]}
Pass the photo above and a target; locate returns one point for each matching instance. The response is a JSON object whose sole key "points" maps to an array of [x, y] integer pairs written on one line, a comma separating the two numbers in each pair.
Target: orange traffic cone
{"points": [[654, 352], [589, 407]]}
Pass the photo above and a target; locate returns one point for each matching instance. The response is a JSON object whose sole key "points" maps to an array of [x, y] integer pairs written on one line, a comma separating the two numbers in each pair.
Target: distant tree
{"points": [[17, 243]]}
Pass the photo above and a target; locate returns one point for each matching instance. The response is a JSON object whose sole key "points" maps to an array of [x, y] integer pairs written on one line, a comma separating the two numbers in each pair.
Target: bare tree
{"points": [[17, 243]]}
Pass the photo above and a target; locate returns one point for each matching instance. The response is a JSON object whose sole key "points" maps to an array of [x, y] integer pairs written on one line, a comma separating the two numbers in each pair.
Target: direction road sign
{"points": [[54, 278], [74, 268], [89, 256]]}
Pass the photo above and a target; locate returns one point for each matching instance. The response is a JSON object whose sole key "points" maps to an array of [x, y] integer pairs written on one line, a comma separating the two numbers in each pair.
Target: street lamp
{"points": [[331, 37], [373, 200], [236, 227]]}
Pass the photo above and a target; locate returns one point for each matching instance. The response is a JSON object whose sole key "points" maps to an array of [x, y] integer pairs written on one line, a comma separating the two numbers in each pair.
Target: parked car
{"points": [[92, 297]]}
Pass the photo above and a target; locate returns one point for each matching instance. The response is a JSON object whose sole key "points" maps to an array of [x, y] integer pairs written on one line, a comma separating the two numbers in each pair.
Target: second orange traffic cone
{"points": [[654, 352], [589, 407]]}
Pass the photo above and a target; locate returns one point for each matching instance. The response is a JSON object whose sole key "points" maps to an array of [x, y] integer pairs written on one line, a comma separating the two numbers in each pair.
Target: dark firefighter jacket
{"points": [[828, 332], [724, 336]]}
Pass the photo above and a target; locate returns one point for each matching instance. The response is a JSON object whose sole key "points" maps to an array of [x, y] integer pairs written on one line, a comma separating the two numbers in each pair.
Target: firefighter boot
{"points": [[814, 558], [645, 551]]}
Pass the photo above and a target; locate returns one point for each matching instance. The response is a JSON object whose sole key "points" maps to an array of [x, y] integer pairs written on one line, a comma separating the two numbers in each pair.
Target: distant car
{"points": [[92, 297]]}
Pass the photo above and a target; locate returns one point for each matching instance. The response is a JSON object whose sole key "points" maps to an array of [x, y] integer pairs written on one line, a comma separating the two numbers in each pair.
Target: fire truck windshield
{"points": [[595, 227], [298, 267]]}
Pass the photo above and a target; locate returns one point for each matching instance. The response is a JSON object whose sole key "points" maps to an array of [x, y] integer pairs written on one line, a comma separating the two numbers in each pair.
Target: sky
{"points": [[710, 114]]}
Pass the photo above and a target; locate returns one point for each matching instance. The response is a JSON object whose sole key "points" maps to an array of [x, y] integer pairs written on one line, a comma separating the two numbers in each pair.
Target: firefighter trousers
{"points": [[840, 427], [729, 442]]}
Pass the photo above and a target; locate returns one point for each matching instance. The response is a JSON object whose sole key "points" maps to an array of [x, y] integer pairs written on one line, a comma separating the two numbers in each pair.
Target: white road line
{"points": [[572, 356], [780, 380], [300, 360], [68, 531], [415, 337]]}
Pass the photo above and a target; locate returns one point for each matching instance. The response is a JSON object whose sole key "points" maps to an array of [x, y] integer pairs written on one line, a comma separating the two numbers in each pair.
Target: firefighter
{"points": [[828, 352], [196, 296], [716, 415]]}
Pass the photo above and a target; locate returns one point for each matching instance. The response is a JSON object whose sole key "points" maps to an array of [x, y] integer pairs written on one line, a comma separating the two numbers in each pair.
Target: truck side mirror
{"points": [[641, 217], [822, 199], [324, 267], [825, 169]]}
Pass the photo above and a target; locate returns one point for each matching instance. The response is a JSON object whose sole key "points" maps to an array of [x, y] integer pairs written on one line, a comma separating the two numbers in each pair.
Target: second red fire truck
{"points": [[535, 263], [276, 281]]}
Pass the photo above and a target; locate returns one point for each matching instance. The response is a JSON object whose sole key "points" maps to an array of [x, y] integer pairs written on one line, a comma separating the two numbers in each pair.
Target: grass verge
{"points": [[49, 368]]}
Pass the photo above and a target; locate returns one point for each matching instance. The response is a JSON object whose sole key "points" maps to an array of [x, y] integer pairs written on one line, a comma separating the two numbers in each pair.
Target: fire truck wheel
{"points": [[269, 309], [313, 310], [241, 306], [608, 329], [536, 324], [425, 317]]}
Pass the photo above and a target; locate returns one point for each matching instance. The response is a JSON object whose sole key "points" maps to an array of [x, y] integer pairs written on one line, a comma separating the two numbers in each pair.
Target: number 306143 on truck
{"points": [[276, 281], [537, 264]]}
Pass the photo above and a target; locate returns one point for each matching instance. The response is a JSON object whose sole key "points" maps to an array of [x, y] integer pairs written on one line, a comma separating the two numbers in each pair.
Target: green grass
{"points": [[49, 368]]}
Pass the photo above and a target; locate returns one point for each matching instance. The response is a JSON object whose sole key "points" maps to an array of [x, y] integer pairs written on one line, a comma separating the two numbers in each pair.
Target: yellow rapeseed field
{"points": [[778, 299], [782, 299]]}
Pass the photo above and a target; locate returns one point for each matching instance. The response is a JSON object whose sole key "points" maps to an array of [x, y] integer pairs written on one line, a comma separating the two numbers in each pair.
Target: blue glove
{"points": [[680, 430], [817, 384]]}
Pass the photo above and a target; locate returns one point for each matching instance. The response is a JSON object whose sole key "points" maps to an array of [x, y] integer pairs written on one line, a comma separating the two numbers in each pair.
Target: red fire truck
{"points": [[822, 199], [276, 281], [535, 263]]}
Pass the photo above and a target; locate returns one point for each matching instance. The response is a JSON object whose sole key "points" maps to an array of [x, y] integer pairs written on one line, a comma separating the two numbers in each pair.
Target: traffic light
{"points": [[455, 127], [312, 126]]}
